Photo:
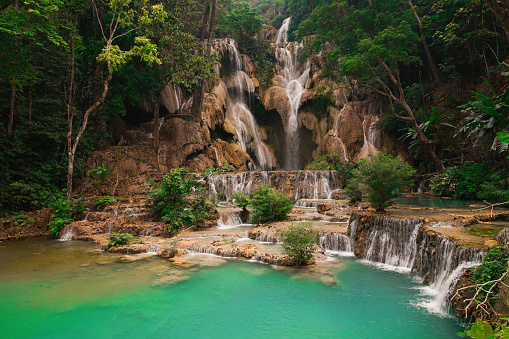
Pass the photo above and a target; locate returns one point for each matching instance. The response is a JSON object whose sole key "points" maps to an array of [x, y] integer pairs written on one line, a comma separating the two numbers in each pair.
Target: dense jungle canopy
{"points": [[74, 75]]}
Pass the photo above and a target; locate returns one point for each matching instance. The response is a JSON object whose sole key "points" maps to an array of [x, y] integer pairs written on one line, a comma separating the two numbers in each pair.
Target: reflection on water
{"points": [[427, 200], [51, 289]]}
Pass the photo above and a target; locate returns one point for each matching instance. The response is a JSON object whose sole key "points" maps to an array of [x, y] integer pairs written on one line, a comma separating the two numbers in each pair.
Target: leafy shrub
{"points": [[278, 21], [382, 176], [105, 200], [493, 266], [118, 239], [99, 172], [482, 330], [299, 242], [269, 205], [18, 220], [61, 215], [171, 199], [354, 191], [241, 200], [201, 208], [471, 181], [20, 196]]}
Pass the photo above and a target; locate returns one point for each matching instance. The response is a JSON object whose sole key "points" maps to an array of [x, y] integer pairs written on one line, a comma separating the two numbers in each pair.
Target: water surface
{"points": [[51, 289]]}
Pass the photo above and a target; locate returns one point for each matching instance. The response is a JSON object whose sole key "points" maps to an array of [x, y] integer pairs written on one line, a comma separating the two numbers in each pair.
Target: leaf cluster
{"points": [[172, 201], [118, 239], [493, 266], [269, 205], [299, 242], [382, 177]]}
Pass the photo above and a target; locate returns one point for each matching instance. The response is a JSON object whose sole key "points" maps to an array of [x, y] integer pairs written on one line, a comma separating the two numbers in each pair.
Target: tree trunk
{"points": [[429, 56], [196, 108], [11, 107], [501, 10], [156, 122]]}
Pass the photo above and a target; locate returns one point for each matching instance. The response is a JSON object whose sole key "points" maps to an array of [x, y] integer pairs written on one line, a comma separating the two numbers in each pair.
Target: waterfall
{"points": [[67, 233], [229, 220], [368, 147], [405, 246], [316, 185], [282, 35], [295, 77], [239, 115], [336, 133]]}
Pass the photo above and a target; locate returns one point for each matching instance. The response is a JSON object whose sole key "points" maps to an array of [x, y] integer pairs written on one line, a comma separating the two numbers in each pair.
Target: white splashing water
{"points": [[239, 115], [294, 76]]}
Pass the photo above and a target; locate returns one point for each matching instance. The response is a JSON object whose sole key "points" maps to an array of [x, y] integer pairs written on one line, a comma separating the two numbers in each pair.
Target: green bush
{"points": [[269, 205], [354, 191], [171, 200], [118, 239], [105, 200], [482, 330], [299, 242], [241, 200], [61, 214], [472, 181], [20, 196], [17, 220], [382, 176], [278, 21], [493, 266], [99, 172], [201, 208]]}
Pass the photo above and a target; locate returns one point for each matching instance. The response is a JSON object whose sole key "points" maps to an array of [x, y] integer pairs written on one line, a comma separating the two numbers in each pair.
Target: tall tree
{"points": [[125, 17]]}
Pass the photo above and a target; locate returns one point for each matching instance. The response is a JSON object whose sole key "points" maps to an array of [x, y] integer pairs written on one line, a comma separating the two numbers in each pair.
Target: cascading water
{"points": [[238, 113], [316, 185], [403, 245], [294, 76], [369, 133]]}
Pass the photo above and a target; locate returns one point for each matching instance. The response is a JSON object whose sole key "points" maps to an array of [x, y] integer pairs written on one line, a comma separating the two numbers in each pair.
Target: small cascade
{"points": [[229, 220], [294, 76], [336, 242], [405, 246], [368, 147], [239, 114], [336, 133], [315, 185], [67, 233]]}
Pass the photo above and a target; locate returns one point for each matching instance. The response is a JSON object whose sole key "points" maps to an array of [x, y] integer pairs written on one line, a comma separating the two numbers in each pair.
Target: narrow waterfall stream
{"points": [[239, 114], [295, 76]]}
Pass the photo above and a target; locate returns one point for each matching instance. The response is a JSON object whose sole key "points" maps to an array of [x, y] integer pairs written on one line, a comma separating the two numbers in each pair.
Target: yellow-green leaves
{"points": [[143, 49]]}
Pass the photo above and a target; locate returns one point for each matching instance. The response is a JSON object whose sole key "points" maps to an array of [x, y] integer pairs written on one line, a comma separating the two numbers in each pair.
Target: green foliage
{"points": [[278, 21], [201, 208], [269, 205], [488, 114], [354, 191], [482, 329], [493, 266], [472, 181], [299, 241], [382, 176], [118, 239], [99, 172], [61, 214], [171, 200], [17, 220], [241, 200], [102, 202]]}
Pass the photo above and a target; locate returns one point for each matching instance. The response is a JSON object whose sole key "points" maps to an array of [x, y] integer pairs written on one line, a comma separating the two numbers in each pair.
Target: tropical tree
{"points": [[125, 17], [299, 241], [382, 176]]}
